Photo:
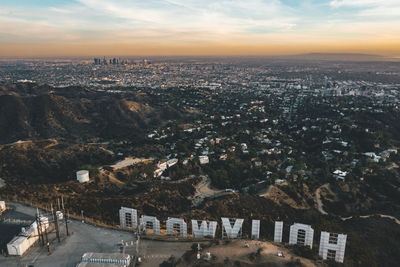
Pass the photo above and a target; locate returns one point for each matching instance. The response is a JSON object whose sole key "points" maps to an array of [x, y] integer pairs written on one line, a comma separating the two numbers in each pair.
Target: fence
{"points": [[69, 214], [15, 221]]}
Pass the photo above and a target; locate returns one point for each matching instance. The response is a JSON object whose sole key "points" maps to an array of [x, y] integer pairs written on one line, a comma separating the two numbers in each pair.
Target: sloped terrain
{"points": [[43, 112], [47, 161]]}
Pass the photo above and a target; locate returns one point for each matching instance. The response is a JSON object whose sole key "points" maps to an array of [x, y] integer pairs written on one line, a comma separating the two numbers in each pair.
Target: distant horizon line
{"points": [[205, 56]]}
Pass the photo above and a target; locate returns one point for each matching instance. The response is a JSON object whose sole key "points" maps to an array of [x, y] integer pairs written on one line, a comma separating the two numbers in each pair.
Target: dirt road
{"points": [[128, 162], [320, 205], [371, 215], [204, 190]]}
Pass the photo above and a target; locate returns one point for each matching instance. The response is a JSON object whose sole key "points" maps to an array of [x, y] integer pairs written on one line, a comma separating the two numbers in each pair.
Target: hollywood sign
{"points": [[331, 246]]}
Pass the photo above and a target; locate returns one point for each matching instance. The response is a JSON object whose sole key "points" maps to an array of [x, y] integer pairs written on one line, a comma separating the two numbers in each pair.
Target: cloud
{"points": [[206, 14], [381, 9], [361, 3], [202, 22]]}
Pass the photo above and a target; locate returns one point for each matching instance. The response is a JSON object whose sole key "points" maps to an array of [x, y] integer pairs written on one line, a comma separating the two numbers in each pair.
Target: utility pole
{"points": [[39, 227], [45, 233], [18, 256], [65, 215], [45, 230], [56, 224], [137, 246], [52, 212], [138, 229]]}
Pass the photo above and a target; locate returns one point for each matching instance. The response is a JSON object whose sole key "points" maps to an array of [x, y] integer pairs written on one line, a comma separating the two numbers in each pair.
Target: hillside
{"points": [[47, 161], [32, 111], [285, 173]]}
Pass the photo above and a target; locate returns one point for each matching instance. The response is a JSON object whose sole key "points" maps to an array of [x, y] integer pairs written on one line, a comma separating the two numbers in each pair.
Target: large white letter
{"points": [[231, 230], [171, 222], [332, 246], [128, 218], [145, 222], [205, 229], [278, 231], [255, 229], [301, 234]]}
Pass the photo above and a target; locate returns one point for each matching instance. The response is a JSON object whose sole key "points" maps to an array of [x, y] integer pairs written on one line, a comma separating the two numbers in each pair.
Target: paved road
{"points": [[89, 238], [154, 253], [85, 238]]}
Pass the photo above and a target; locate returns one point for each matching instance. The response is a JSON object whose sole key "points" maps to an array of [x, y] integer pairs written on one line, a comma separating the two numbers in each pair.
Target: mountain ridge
{"points": [[340, 57], [40, 112]]}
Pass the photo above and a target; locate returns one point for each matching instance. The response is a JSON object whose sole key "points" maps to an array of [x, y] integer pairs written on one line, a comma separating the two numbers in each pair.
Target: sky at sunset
{"points": [[198, 27]]}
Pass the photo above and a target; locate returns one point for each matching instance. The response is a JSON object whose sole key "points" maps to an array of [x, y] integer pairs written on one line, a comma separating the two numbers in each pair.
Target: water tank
{"points": [[82, 176]]}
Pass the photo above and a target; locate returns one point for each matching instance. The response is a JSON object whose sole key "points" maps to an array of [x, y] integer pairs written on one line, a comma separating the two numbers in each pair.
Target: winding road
{"points": [[371, 215], [204, 190], [320, 207]]}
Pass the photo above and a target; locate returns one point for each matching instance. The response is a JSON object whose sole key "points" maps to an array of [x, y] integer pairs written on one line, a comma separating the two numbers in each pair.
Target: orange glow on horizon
{"points": [[36, 28], [148, 49]]}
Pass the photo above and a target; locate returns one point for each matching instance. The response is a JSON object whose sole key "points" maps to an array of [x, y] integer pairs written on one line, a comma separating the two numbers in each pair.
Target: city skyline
{"points": [[176, 27]]}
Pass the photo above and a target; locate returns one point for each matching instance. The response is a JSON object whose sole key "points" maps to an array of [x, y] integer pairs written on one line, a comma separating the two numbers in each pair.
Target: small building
{"points": [[27, 238], [82, 176], [2, 206], [372, 155], [339, 175], [105, 259], [223, 157], [386, 154], [158, 172], [172, 162], [280, 181], [204, 160], [162, 165]]}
